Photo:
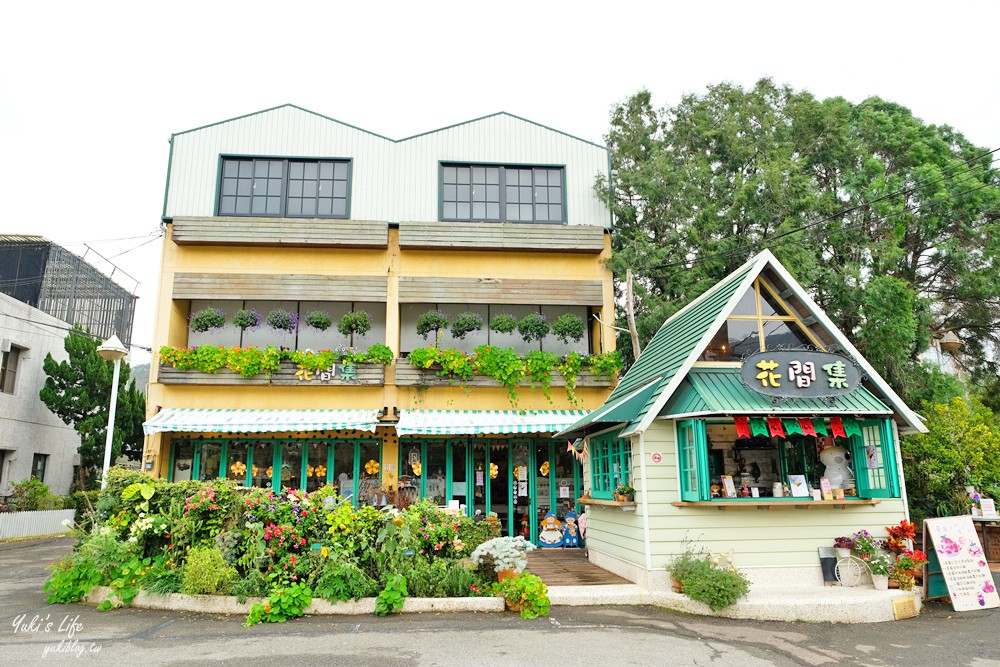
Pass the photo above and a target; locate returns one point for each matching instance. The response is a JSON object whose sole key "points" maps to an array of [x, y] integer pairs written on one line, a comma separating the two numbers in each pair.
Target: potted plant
{"points": [[355, 322], [246, 318], [507, 556], [526, 594], [905, 569], [466, 323], [625, 493], [319, 319], [504, 323], [432, 320], [568, 326], [880, 566], [283, 320], [696, 576], [533, 327], [865, 545], [210, 318], [843, 546]]}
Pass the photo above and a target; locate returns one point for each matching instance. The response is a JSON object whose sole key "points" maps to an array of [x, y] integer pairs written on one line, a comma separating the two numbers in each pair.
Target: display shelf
{"points": [[763, 504]]}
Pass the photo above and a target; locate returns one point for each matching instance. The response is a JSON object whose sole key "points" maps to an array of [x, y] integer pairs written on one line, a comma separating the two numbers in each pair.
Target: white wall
{"points": [[390, 180], [26, 425]]}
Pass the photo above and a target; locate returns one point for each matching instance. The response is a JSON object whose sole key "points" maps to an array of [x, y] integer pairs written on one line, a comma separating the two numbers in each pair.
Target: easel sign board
{"points": [[963, 563]]}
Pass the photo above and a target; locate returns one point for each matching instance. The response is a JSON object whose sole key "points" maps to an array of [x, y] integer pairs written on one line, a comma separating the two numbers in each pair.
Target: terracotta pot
{"points": [[513, 606], [893, 583], [678, 587], [503, 575], [629, 498]]}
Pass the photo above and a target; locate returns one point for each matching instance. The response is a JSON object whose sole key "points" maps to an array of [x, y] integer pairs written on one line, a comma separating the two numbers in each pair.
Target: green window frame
{"points": [[874, 459], [692, 459], [610, 464]]}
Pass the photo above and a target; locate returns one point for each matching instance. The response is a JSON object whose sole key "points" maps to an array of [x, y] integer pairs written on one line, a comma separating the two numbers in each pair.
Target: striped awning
{"points": [[487, 422], [194, 420]]}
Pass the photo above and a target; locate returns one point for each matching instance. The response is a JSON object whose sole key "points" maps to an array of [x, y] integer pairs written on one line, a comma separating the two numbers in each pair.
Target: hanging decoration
{"points": [[494, 471], [270, 471], [320, 471], [792, 426], [372, 467], [256, 471], [544, 469], [807, 427], [742, 427], [309, 471], [238, 468], [758, 426], [837, 427], [417, 468], [774, 426], [852, 427], [820, 427]]}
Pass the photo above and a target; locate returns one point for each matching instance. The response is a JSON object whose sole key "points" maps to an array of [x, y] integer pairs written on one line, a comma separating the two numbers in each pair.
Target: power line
{"points": [[70, 329]]}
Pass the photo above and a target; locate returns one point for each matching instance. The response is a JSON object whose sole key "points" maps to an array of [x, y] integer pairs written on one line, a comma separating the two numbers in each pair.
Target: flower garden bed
{"points": [[227, 549], [288, 374]]}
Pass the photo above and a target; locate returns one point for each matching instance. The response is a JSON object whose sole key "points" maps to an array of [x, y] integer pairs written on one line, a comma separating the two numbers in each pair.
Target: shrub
{"points": [[283, 320], [281, 605], [210, 318], [533, 327], [432, 321], [466, 323], [247, 318], [392, 596], [359, 322], [344, 580], [504, 323], [30, 495], [319, 319], [568, 326], [206, 573], [378, 353], [702, 581], [503, 553], [71, 580]]}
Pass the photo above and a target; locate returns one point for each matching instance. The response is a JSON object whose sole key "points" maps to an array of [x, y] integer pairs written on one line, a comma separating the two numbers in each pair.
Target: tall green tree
{"points": [[78, 391], [890, 222]]}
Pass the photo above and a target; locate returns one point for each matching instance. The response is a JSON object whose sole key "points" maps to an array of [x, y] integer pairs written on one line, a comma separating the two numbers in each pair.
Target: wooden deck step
{"points": [[569, 567]]}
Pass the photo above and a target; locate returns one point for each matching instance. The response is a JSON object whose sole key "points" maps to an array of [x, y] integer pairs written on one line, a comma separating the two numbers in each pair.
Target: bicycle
{"points": [[851, 570]]}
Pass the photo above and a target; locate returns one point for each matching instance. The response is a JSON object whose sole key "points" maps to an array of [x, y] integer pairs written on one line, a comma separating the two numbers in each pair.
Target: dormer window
{"points": [[499, 193], [276, 188]]}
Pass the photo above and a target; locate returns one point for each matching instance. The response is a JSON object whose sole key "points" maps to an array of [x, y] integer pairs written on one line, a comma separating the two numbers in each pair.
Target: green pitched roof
{"points": [[621, 410], [721, 390], [674, 343]]}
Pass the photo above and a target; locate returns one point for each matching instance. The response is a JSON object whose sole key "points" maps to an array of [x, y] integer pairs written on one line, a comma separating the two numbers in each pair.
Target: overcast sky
{"points": [[91, 92]]}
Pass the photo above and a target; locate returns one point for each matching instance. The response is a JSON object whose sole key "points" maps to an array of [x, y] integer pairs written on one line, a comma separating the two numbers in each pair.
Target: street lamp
{"points": [[112, 350]]}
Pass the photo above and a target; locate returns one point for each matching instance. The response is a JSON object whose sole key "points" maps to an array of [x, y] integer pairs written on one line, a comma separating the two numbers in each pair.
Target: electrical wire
{"points": [[71, 329]]}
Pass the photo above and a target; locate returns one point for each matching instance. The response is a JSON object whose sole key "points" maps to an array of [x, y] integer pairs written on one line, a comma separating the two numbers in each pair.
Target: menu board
{"points": [[963, 563]]}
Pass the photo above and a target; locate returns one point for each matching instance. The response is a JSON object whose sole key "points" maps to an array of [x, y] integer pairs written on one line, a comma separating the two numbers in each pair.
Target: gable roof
{"points": [[380, 136], [671, 354]]}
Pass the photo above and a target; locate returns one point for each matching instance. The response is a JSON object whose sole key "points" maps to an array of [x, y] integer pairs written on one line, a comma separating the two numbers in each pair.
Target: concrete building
{"points": [[288, 211]]}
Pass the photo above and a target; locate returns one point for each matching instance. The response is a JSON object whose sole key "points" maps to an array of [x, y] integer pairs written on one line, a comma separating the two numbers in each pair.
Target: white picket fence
{"points": [[33, 524]]}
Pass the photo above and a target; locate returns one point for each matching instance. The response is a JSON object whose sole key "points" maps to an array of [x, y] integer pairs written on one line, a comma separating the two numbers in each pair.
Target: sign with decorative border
{"points": [[800, 374], [963, 563]]}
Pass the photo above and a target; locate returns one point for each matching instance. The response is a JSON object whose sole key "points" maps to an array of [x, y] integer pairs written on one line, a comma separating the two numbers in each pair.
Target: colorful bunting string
{"points": [[837, 427], [792, 426], [742, 427], [807, 427], [775, 427], [758, 426]]}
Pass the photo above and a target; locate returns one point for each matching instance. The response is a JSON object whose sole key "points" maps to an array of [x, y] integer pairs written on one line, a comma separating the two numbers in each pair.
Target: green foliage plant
{"points": [[433, 321], [378, 353], [465, 323], [251, 361], [702, 581], [503, 553], [319, 320], [247, 318], [206, 572], [568, 327], [525, 592], [538, 368], [355, 322], [71, 580], [31, 494], [281, 605], [504, 323], [392, 597], [880, 564], [342, 579], [533, 327], [208, 319], [503, 365]]}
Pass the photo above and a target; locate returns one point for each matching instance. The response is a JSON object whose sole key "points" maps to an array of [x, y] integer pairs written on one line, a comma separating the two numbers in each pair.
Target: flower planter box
{"points": [[34, 524], [288, 375], [409, 375]]}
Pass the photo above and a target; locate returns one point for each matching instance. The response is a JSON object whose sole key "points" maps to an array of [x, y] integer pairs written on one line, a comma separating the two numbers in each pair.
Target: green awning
{"points": [[619, 411], [195, 420], [486, 422], [721, 391]]}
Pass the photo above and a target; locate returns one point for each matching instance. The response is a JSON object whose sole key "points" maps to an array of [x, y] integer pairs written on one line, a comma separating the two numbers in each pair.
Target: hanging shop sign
{"points": [[800, 374]]}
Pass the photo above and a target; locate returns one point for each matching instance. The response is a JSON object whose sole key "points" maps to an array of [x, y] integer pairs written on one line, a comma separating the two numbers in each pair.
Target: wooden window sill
{"points": [[797, 503], [626, 507]]}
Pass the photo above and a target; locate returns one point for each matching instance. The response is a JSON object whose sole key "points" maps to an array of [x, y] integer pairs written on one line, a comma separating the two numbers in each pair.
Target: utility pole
{"points": [[630, 314]]}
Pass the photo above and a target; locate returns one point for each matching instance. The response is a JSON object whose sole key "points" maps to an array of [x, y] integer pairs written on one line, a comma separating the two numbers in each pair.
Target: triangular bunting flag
{"points": [[807, 427], [792, 426], [742, 427], [775, 427], [820, 427], [758, 426], [837, 427], [569, 447], [851, 427]]}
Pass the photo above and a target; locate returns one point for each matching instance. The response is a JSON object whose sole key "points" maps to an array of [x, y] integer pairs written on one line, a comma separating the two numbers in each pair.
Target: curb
{"points": [[227, 604]]}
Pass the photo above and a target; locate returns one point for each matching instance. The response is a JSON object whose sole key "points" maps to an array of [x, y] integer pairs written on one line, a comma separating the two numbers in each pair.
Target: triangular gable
{"points": [[682, 338]]}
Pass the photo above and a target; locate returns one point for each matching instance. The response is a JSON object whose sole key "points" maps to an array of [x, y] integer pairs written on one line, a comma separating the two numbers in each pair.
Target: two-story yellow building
{"points": [[282, 222]]}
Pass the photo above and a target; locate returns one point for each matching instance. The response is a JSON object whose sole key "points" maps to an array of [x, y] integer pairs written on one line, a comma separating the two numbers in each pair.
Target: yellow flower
{"points": [[324, 552]]}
